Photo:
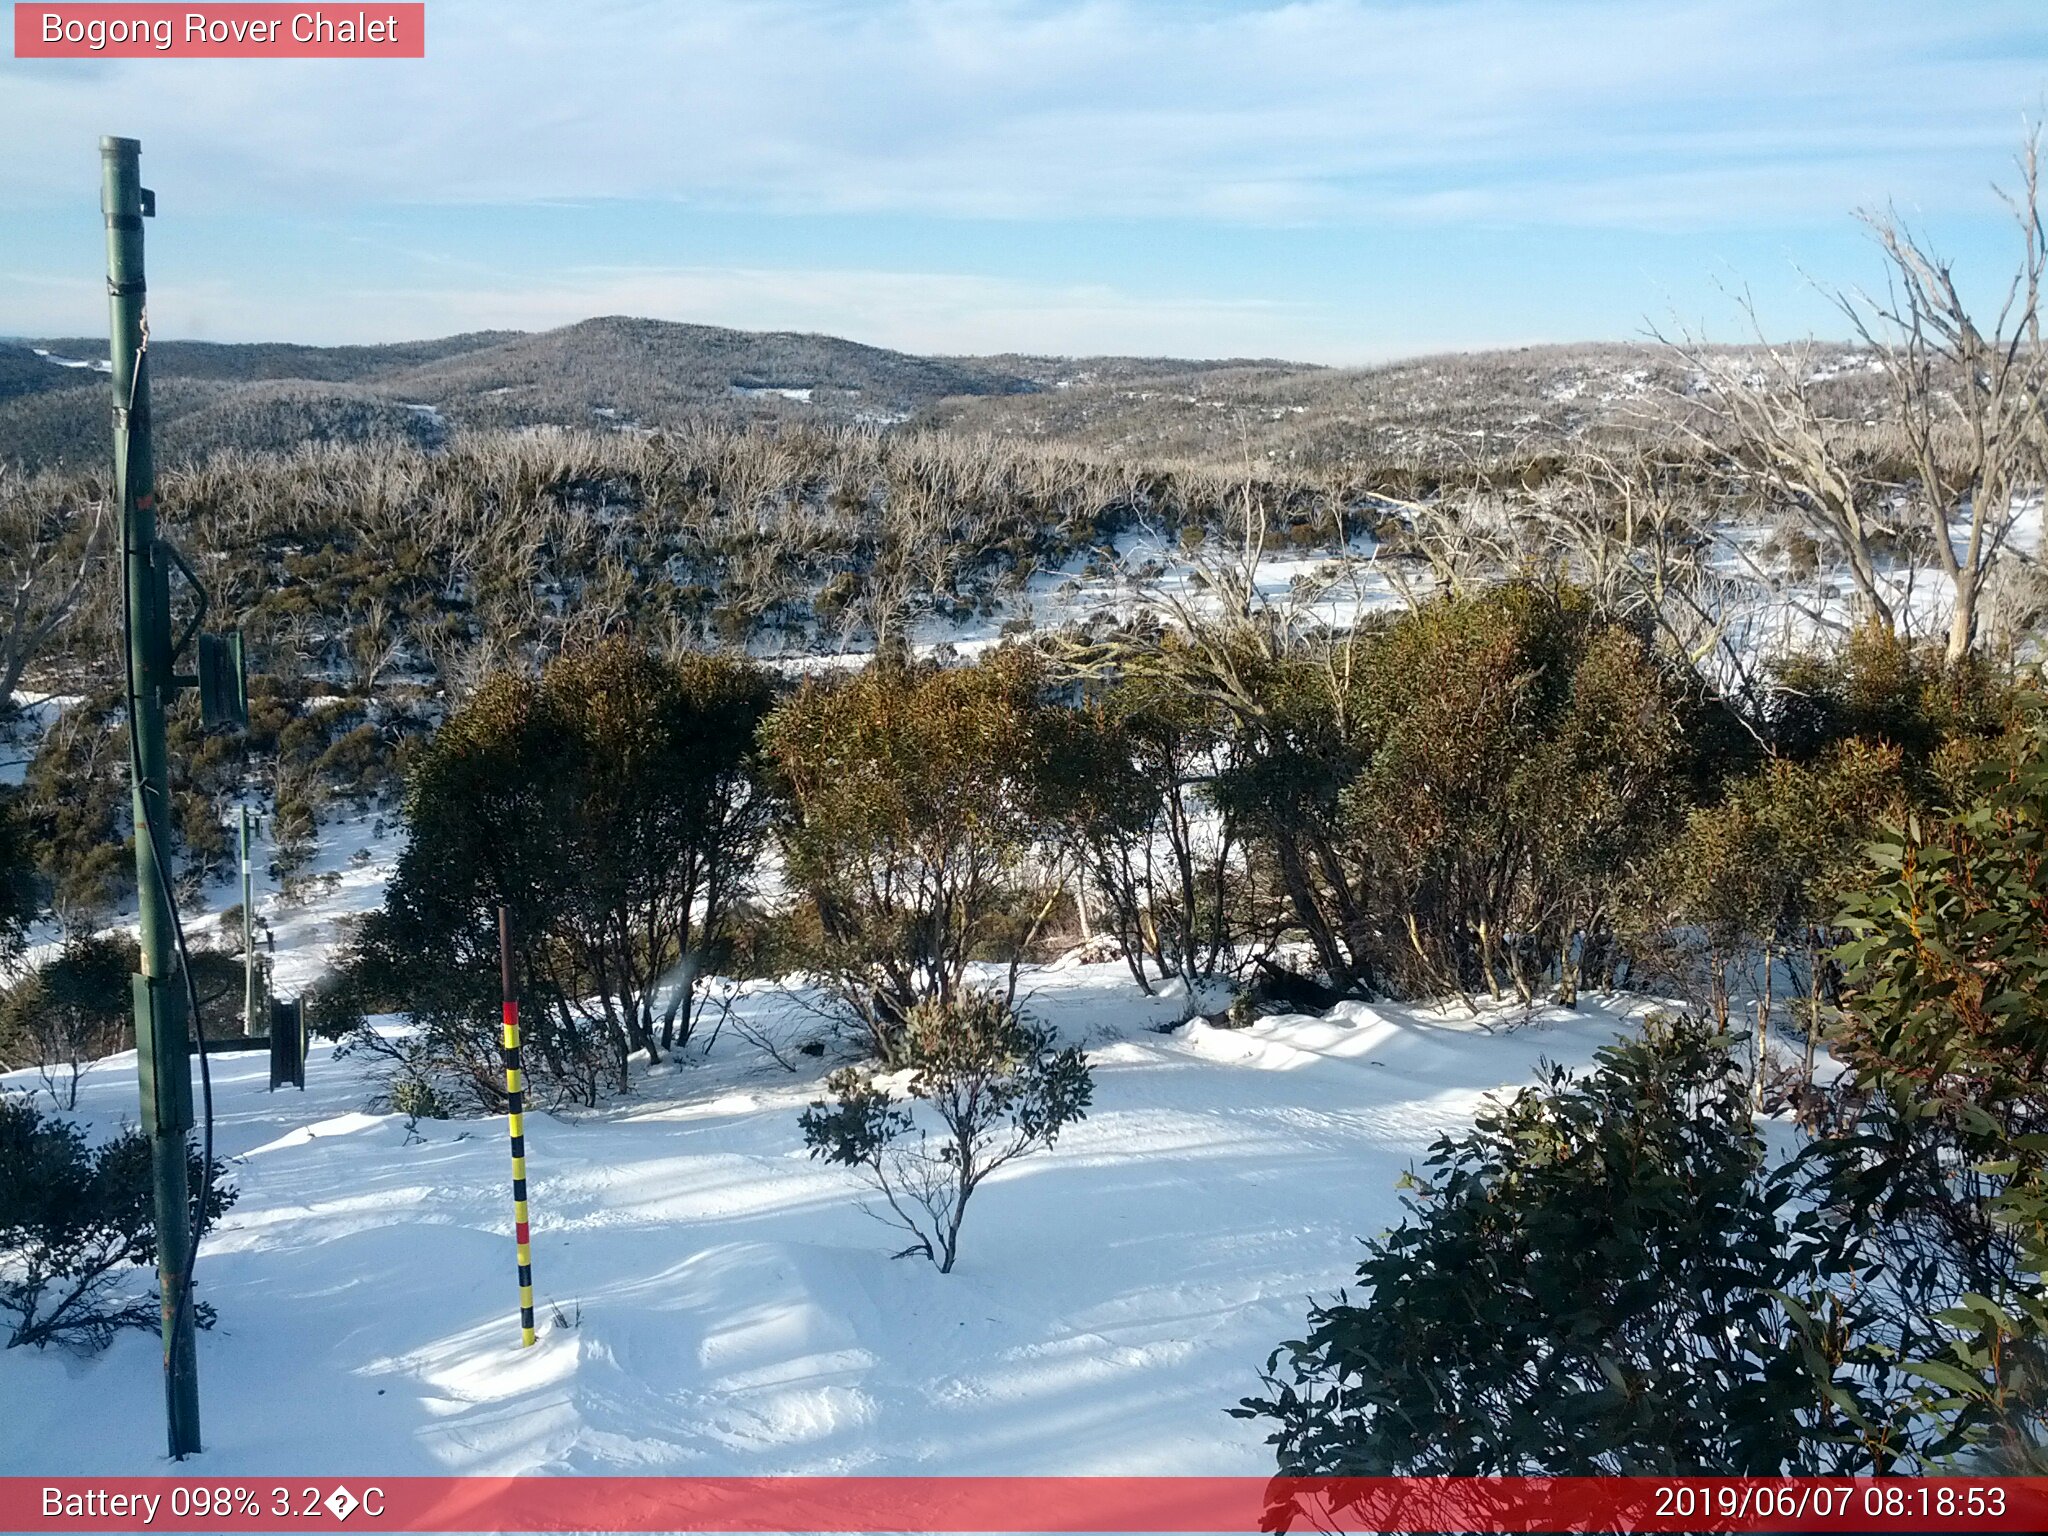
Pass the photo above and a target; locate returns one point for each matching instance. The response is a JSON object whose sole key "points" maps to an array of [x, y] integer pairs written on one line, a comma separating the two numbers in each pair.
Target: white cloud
{"points": [[1657, 112]]}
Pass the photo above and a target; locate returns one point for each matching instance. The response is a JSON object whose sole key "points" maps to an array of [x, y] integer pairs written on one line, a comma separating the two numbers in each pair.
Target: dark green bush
{"points": [[73, 1219], [1945, 1027], [613, 806], [1590, 1282]]}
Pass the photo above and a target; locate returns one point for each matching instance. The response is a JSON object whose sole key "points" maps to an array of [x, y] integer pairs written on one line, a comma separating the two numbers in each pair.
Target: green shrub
{"points": [[1945, 1027], [1590, 1282], [998, 1089], [73, 1220], [613, 806], [19, 898], [1454, 801], [70, 1010]]}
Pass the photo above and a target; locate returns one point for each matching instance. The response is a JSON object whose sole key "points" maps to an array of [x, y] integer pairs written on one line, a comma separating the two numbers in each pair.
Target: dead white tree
{"points": [[46, 559], [1764, 405], [1640, 540], [1967, 403]]}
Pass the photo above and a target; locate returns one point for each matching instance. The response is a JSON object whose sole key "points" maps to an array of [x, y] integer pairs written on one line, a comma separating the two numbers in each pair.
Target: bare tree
{"points": [[1641, 542], [1766, 406], [1970, 401], [1967, 404], [46, 555]]}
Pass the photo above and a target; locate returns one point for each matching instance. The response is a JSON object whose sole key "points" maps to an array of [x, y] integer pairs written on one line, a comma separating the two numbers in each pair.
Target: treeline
{"points": [[376, 583], [1508, 796]]}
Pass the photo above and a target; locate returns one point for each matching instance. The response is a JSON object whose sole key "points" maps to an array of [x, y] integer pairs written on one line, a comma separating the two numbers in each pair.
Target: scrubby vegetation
{"points": [[1608, 1275], [74, 1219]]}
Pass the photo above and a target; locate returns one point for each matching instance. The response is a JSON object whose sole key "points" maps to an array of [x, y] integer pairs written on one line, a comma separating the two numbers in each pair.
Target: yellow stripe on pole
{"points": [[515, 1125]]}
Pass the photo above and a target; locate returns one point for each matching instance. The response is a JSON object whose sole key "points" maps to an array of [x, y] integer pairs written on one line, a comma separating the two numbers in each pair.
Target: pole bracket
{"points": [[161, 1055]]}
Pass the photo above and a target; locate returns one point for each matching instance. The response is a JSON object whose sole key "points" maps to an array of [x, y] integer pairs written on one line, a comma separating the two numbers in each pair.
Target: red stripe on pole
{"points": [[519, 1232], [1018, 1504]]}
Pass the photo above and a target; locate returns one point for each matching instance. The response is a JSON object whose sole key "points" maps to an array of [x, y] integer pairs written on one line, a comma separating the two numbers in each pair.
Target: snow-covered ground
{"points": [[712, 1301], [97, 365], [1767, 610]]}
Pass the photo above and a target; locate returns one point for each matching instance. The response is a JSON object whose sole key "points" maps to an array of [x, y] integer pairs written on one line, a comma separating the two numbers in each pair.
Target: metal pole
{"points": [[248, 936], [515, 1110], [162, 1048]]}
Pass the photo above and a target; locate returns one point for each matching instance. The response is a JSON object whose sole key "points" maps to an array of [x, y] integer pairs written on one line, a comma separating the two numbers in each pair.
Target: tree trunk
{"points": [[1763, 1036], [1962, 627], [1812, 1001]]}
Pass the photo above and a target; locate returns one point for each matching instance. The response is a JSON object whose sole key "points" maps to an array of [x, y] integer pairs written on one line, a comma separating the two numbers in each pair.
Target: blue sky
{"points": [[1336, 180]]}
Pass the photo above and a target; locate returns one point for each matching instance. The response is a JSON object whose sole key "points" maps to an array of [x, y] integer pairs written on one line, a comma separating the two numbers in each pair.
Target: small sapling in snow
{"points": [[995, 1083]]}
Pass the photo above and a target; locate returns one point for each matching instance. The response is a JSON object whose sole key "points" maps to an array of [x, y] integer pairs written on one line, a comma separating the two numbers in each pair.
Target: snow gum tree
{"points": [[907, 810], [1126, 782], [1968, 441], [1453, 800], [613, 806]]}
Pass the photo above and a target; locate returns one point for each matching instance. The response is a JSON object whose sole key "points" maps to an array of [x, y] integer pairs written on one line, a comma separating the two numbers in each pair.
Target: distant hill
{"points": [[69, 426], [248, 362], [1445, 409], [652, 372], [612, 371], [626, 374], [22, 372]]}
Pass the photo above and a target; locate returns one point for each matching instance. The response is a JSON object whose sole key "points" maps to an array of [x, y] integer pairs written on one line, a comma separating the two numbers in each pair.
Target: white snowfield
{"points": [[713, 1301]]}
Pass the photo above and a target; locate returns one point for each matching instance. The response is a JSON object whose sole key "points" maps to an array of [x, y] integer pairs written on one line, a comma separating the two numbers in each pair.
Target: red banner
{"points": [[1023, 1504], [114, 31]]}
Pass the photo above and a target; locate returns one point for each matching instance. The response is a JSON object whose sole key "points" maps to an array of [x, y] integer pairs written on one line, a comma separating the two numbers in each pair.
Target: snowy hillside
{"points": [[711, 1301]]}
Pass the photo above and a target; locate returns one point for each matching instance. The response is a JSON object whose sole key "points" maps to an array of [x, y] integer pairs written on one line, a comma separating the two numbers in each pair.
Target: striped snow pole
{"points": [[515, 1108]]}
